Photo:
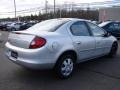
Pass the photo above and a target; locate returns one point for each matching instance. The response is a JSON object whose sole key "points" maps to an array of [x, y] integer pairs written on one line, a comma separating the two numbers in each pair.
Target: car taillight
{"points": [[37, 42]]}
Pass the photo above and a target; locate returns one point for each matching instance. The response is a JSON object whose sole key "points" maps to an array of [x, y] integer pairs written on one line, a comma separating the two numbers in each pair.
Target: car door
{"points": [[17, 26], [101, 42], [83, 42]]}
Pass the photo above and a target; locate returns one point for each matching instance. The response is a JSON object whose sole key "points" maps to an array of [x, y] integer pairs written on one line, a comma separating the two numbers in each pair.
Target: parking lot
{"points": [[98, 74]]}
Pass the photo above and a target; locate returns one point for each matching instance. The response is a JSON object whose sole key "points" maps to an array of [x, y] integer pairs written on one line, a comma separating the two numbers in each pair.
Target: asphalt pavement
{"points": [[98, 74]]}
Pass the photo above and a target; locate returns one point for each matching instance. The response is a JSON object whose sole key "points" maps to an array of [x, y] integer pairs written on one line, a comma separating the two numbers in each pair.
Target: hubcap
{"points": [[67, 67]]}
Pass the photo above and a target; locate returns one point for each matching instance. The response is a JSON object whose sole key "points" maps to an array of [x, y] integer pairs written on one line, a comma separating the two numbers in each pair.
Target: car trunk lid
{"points": [[20, 39]]}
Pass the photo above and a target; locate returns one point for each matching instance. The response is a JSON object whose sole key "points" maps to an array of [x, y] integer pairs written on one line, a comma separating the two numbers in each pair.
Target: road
{"points": [[98, 74]]}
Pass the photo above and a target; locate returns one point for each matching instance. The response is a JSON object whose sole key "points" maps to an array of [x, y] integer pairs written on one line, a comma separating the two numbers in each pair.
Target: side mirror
{"points": [[107, 34]]}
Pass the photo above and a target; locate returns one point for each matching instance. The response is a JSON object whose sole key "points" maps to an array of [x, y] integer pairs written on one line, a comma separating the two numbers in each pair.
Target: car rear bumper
{"points": [[32, 59], [33, 65]]}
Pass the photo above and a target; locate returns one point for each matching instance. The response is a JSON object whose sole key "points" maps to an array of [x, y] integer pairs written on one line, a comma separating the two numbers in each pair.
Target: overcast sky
{"points": [[8, 5]]}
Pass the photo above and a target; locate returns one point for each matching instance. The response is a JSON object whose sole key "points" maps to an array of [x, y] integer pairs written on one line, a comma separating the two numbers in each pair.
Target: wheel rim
{"points": [[67, 67]]}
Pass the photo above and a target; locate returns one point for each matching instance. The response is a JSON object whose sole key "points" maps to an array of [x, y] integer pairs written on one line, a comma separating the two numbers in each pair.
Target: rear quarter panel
{"points": [[59, 42]]}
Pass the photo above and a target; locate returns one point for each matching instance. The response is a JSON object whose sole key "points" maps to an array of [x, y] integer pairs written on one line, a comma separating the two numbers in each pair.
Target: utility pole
{"points": [[72, 10], [54, 8], [15, 8], [46, 8], [60, 13]]}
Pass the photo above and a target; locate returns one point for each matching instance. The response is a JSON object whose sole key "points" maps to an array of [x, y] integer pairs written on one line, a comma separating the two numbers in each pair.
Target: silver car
{"points": [[59, 44], [14, 26]]}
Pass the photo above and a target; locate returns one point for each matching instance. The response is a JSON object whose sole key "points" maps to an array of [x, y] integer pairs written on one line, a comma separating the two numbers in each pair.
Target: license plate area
{"points": [[14, 54]]}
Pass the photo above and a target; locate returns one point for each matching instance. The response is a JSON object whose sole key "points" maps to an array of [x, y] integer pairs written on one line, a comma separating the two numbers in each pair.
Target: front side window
{"points": [[97, 31], [79, 29]]}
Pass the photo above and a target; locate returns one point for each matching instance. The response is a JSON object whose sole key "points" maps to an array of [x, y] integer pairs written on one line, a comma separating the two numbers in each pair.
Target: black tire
{"points": [[60, 65], [113, 50], [4, 29]]}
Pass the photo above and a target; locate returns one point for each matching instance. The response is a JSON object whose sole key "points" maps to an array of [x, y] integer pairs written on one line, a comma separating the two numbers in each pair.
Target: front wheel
{"points": [[113, 50], [65, 66]]}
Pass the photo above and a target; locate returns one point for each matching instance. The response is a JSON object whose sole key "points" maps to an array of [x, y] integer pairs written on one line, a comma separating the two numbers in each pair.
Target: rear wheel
{"points": [[4, 29], [65, 66], [113, 50]]}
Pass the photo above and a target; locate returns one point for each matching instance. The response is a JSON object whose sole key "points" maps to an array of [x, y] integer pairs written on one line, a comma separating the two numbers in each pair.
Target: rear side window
{"points": [[79, 29]]}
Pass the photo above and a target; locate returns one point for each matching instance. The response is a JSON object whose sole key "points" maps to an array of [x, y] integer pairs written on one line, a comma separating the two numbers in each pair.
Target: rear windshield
{"points": [[48, 25], [103, 24]]}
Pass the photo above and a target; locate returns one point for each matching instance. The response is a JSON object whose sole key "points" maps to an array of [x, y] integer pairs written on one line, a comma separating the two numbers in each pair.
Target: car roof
{"points": [[107, 22], [104, 23], [71, 19]]}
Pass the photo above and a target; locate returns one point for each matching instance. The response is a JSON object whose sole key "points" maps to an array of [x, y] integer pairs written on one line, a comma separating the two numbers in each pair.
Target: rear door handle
{"points": [[78, 42], [98, 42]]}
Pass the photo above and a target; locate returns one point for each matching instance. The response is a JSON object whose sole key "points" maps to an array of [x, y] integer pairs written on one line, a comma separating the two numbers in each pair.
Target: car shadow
{"points": [[42, 75], [46, 79]]}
